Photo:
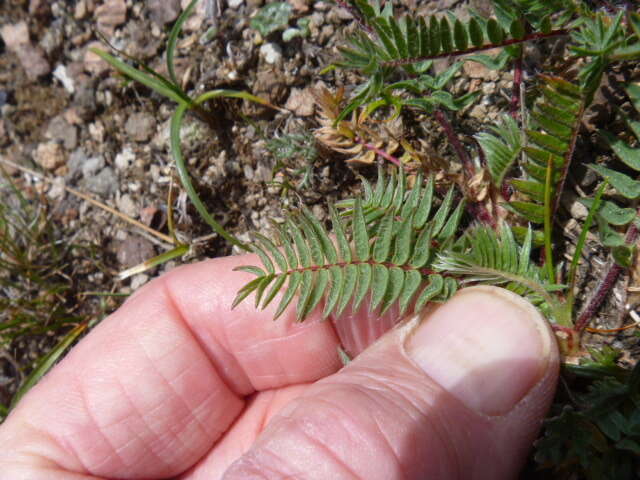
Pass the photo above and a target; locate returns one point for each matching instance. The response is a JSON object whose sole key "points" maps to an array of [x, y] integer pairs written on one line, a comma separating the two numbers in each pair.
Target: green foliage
{"points": [[610, 216], [383, 248], [501, 148], [597, 435], [555, 123], [484, 256], [296, 151], [272, 17], [171, 89]]}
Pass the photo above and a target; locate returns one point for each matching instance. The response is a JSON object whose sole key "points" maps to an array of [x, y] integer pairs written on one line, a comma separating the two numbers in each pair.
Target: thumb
{"points": [[460, 393]]}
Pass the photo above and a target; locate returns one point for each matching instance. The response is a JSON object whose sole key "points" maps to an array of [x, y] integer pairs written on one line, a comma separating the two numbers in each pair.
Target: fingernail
{"points": [[486, 346]]}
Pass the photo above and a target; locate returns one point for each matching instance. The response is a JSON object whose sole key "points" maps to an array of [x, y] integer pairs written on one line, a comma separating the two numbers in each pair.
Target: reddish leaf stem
{"points": [[378, 151], [606, 285], [455, 142], [517, 86]]}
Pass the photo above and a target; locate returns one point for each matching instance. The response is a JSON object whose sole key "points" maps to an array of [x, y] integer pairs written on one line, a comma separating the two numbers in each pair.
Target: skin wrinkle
{"points": [[319, 444], [182, 319], [145, 423], [339, 413], [374, 384], [69, 445]]}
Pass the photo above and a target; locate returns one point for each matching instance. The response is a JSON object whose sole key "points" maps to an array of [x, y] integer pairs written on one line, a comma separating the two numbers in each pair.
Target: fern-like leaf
{"points": [[382, 247], [495, 259], [610, 216], [550, 144], [501, 147]]}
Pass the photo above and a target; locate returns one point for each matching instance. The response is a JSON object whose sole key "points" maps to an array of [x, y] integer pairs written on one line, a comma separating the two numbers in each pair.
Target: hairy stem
{"points": [[467, 164], [457, 53], [356, 15], [378, 151], [606, 284], [517, 86]]}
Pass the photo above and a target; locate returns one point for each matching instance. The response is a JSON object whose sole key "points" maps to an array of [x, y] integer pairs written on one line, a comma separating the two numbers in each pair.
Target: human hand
{"points": [[176, 385]]}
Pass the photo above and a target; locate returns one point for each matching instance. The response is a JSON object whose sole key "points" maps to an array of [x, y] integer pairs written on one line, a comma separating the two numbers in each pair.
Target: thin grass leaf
{"points": [[176, 152], [173, 39], [160, 85], [46, 362]]}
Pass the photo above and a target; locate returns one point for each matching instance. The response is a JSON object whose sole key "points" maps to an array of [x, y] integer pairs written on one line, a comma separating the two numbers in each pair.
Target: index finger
{"points": [[156, 384]]}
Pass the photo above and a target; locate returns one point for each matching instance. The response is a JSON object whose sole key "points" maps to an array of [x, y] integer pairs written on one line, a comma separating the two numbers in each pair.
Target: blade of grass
{"points": [[548, 250], [176, 152], [571, 277], [173, 39], [84, 196], [46, 362], [155, 261], [155, 82]]}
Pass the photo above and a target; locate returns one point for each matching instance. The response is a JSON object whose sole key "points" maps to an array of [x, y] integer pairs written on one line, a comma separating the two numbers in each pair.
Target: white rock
{"points": [[235, 3], [271, 53], [67, 82], [124, 158], [49, 155]]}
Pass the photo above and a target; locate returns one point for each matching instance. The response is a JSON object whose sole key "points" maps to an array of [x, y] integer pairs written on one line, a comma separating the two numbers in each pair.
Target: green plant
{"points": [[170, 88], [37, 295], [488, 216], [395, 244]]}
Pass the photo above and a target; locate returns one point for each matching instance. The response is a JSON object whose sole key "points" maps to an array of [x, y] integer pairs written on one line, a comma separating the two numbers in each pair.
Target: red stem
{"points": [[380, 152], [606, 284], [469, 168], [517, 86]]}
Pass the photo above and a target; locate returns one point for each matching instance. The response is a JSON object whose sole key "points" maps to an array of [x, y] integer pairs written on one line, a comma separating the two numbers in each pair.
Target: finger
{"points": [[155, 385], [461, 395]]}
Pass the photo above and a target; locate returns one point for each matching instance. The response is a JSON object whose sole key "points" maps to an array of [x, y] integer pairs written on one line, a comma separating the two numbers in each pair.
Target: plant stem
{"points": [[517, 86], [379, 151], [457, 53], [467, 164], [356, 15], [606, 284], [548, 250], [571, 277]]}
